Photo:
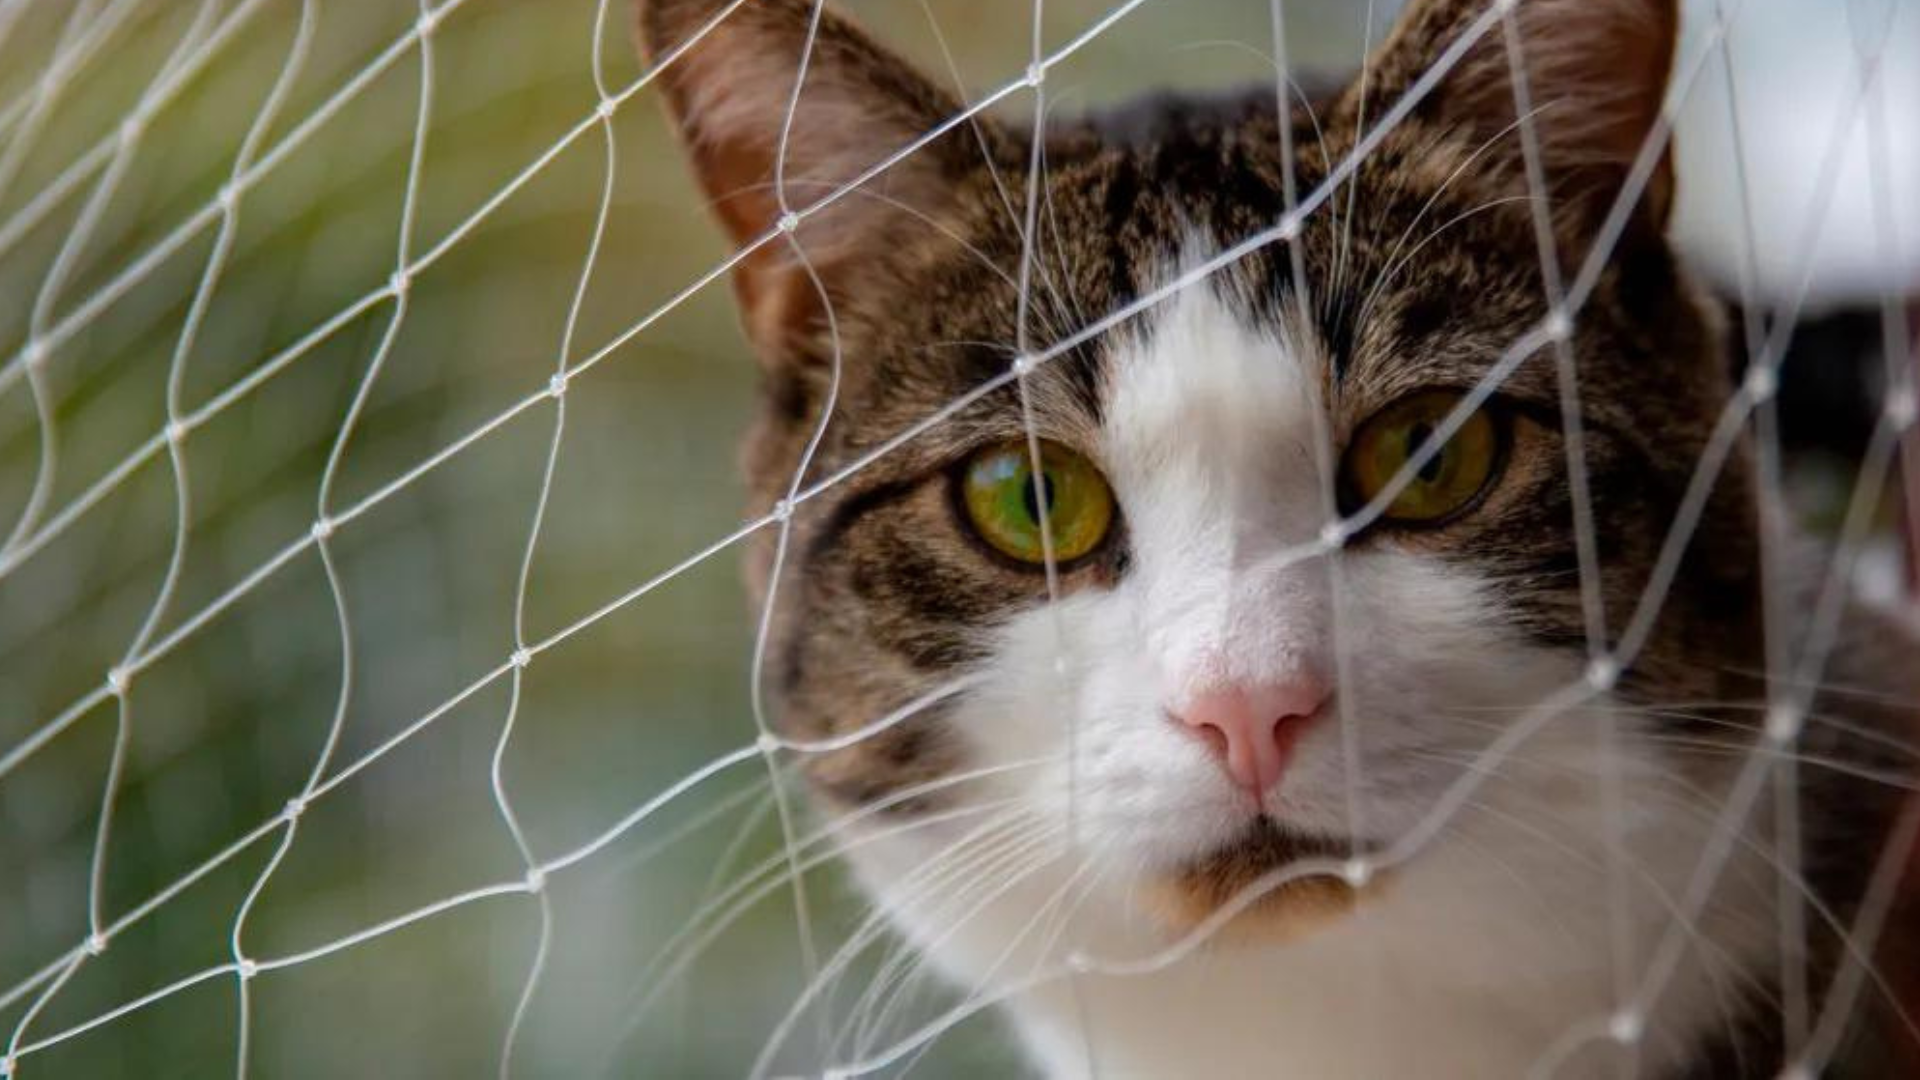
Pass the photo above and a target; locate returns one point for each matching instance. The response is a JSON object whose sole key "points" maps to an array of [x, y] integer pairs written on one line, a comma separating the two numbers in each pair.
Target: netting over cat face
{"points": [[1495, 230], [1274, 580]]}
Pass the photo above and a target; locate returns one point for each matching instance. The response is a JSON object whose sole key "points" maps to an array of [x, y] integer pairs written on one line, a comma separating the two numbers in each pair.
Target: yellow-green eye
{"points": [[1447, 481], [999, 495]]}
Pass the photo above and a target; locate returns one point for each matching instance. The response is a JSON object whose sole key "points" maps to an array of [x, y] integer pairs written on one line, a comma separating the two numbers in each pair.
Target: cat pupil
{"points": [[1029, 496], [1416, 436]]}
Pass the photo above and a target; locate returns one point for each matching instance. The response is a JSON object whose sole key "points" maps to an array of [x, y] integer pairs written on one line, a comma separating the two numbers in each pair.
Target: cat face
{"points": [[1309, 541]]}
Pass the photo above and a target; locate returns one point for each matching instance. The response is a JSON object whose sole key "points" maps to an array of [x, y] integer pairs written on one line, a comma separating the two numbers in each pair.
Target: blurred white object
{"points": [[1797, 79]]}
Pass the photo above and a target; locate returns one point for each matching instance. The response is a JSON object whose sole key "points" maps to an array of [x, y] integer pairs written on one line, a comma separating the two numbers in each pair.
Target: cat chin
{"points": [[1279, 914], [1272, 882]]}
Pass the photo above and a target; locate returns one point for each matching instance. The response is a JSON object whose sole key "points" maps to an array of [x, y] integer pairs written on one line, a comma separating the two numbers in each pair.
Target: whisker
{"points": [[648, 988], [983, 855]]}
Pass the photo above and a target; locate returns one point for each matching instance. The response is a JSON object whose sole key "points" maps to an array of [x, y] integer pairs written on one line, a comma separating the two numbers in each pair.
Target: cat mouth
{"points": [[1247, 872]]}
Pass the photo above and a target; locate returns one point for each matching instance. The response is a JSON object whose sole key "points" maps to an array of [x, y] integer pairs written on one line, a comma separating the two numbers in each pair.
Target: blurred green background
{"points": [[224, 727]]}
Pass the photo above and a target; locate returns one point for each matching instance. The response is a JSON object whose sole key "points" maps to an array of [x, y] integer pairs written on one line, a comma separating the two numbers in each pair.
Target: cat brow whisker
{"points": [[874, 195], [1344, 219], [1014, 218], [1459, 171], [1067, 295], [1393, 269]]}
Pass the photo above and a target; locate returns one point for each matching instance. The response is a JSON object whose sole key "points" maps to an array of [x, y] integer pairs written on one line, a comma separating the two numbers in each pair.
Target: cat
{"points": [[1196, 786]]}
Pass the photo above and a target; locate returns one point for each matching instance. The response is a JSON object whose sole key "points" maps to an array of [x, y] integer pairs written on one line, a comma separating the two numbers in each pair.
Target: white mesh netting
{"points": [[375, 692]]}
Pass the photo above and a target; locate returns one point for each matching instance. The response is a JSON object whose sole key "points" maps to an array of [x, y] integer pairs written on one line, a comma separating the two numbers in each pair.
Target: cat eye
{"points": [[1445, 483], [1003, 506]]}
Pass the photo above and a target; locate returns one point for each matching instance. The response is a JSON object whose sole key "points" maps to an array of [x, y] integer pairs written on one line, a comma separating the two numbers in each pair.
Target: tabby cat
{"points": [[1285, 725]]}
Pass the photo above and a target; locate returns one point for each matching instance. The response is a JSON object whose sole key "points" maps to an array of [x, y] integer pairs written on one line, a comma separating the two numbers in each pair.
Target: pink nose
{"points": [[1253, 728]]}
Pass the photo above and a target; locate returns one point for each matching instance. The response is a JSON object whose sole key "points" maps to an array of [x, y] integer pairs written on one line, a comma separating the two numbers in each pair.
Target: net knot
{"points": [[1902, 408], [1333, 535], [1603, 672], [35, 353], [768, 742], [96, 943], [606, 108], [398, 283], [521, 657], [1036, 74], [1023, 366], [789, 221], [117, 680], [536, 879], [247, 968], [177, 431], [1624, 1027], [321, 528], [1559, 325], [133, 126], [1357, 872], [783, 510], [429, 20], [1783, 723], [6, 1065], [1289, 226], [1761, 382], [295, 807], [229, 198], [557, 385]]}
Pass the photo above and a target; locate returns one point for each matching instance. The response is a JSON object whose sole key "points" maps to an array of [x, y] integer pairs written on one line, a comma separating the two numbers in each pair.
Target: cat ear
{"points": [[1596, 73], [728, 73]]}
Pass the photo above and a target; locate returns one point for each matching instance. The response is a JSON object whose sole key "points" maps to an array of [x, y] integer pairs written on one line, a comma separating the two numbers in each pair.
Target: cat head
{"points": [[1308, 539]]}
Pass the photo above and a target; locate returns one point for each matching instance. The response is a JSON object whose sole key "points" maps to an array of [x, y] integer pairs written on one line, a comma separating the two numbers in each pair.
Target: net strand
{"points": [[1610, 794], [156, 255], [62, 721], [704, 926], [1784, 721], [76, 242], [1602, 675], [517, 886], [543, 942], [947, 882], [85, 29], [117, 755], [1792, 935], [161, 94], [1205, 269], [1752, 402], [783, 507], [242, 966]]}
